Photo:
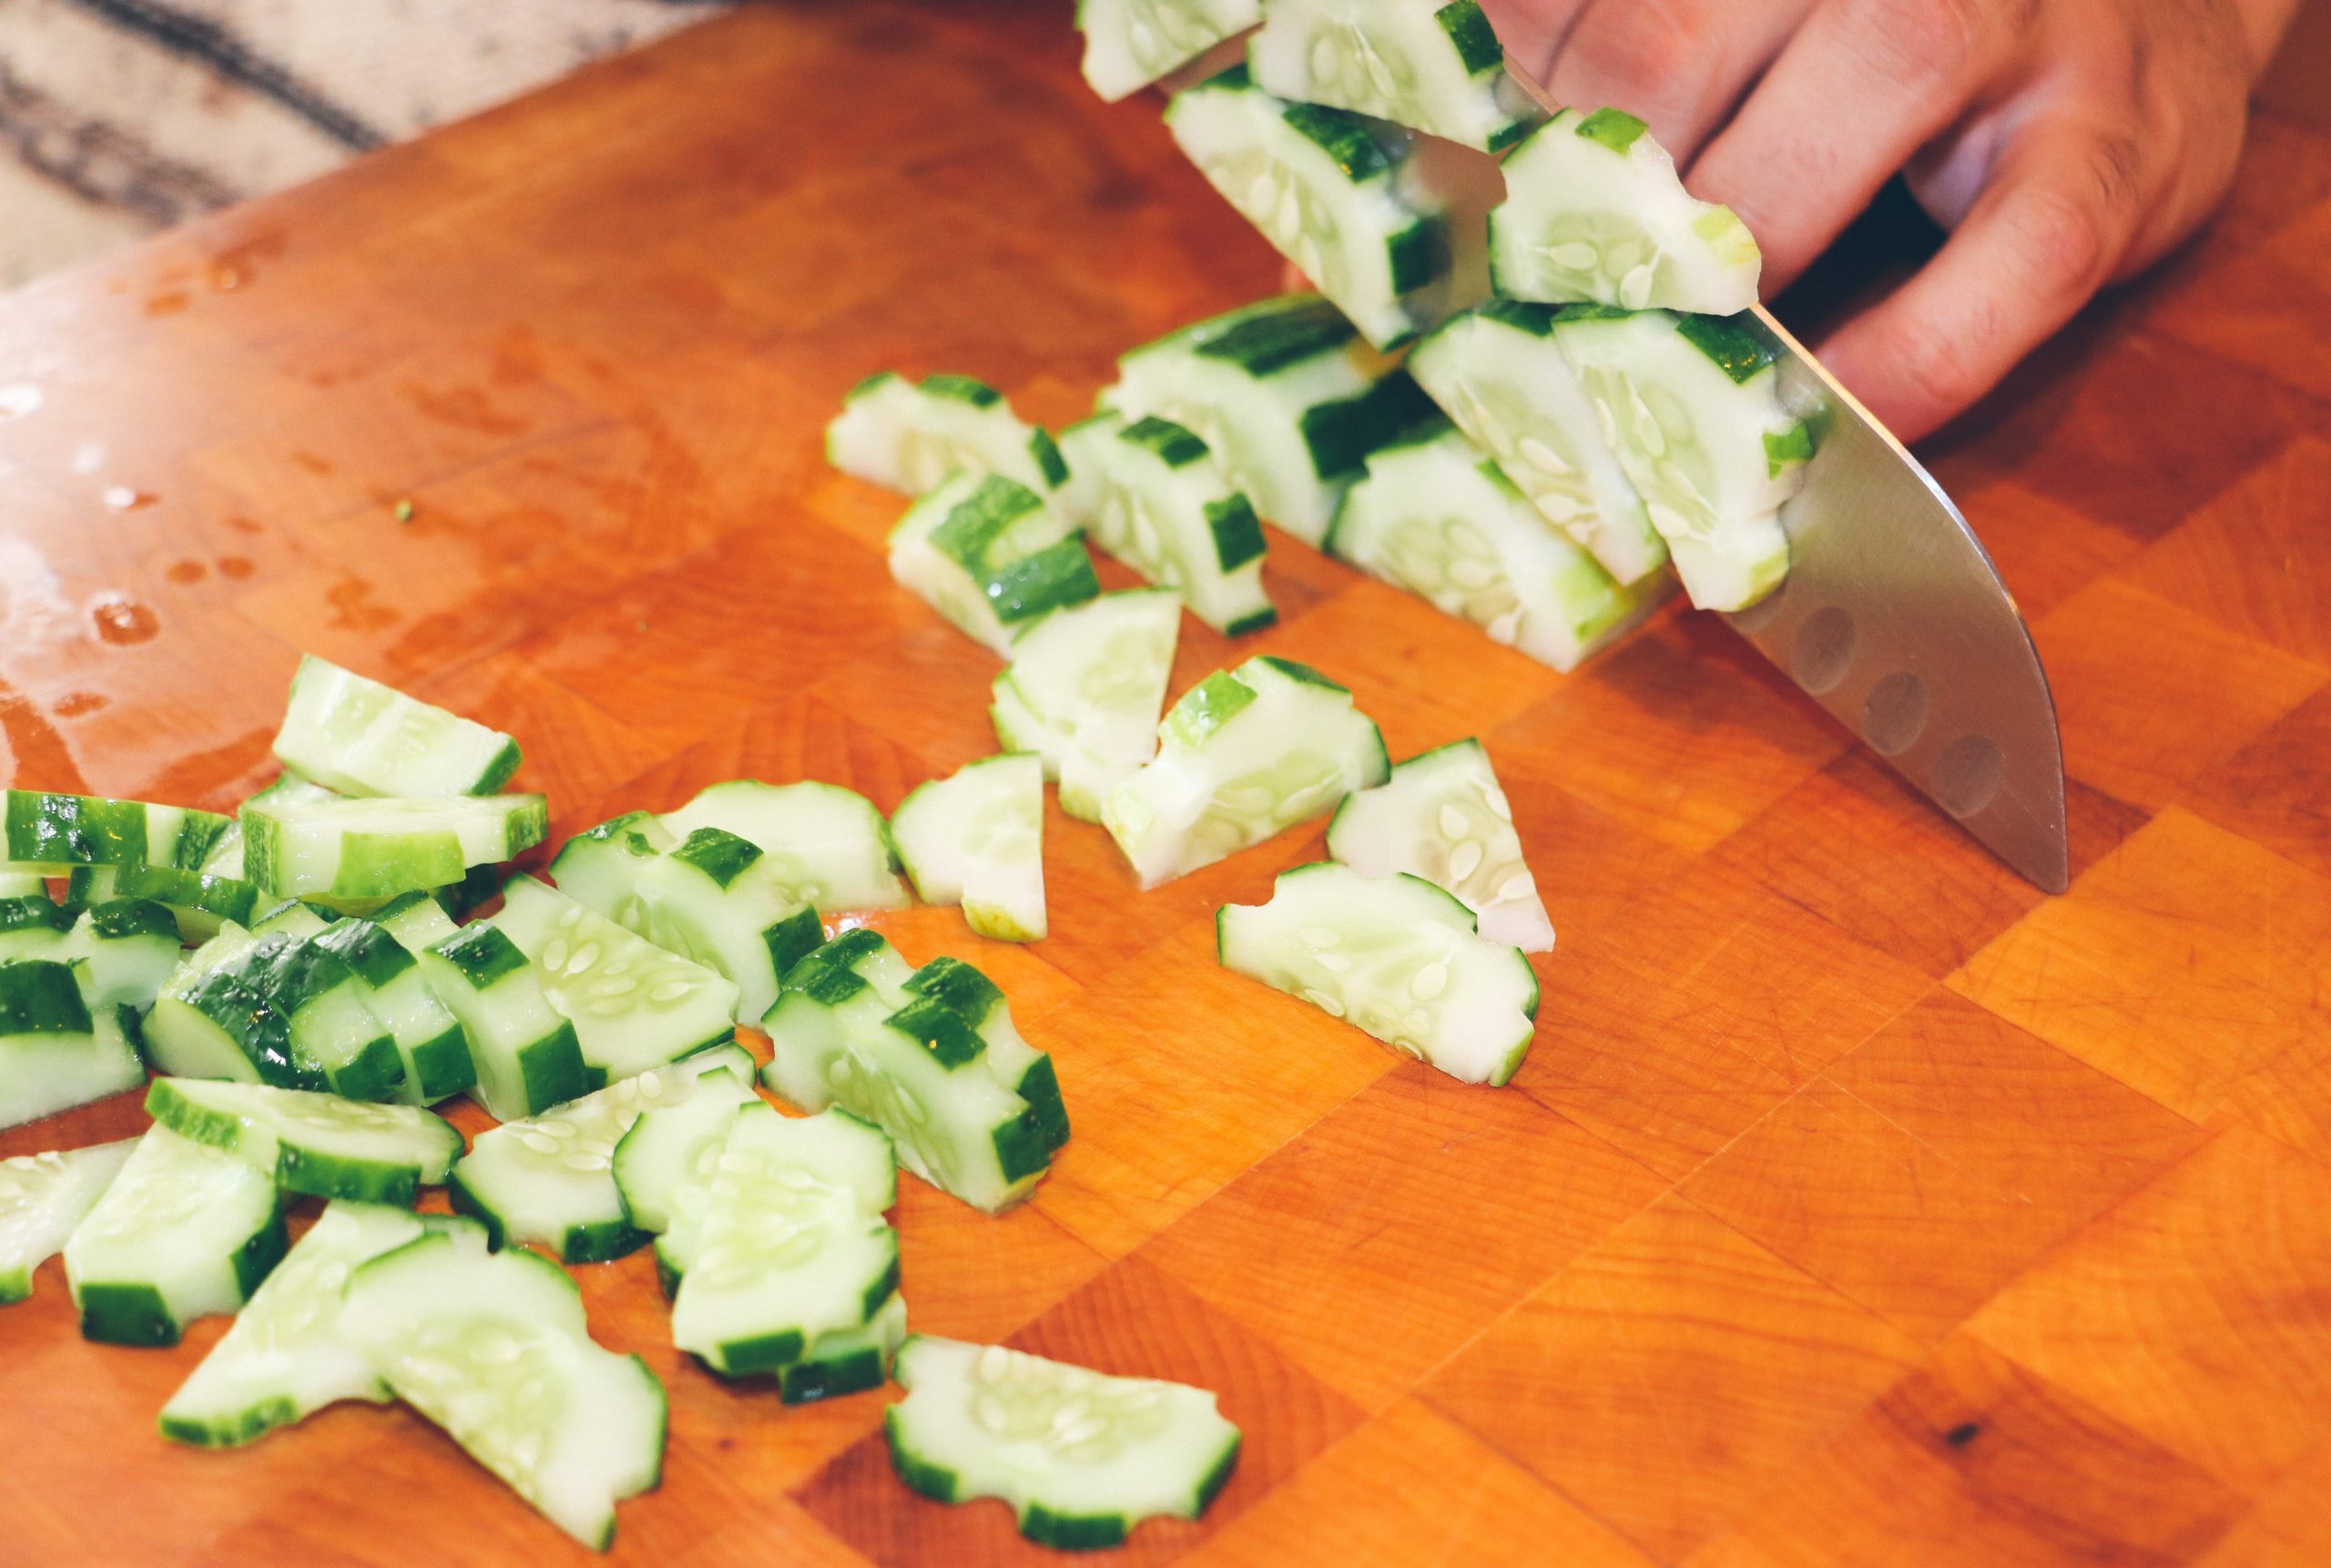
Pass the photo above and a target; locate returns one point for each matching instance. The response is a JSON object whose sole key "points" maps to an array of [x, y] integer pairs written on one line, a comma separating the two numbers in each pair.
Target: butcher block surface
{"points": [[1857, 1204]]}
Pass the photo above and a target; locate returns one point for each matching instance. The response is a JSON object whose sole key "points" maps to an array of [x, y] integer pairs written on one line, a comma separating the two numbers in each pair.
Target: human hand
{"points": [[2066, 143]]}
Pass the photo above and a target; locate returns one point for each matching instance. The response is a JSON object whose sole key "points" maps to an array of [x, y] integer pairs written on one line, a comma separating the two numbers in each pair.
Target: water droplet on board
{"points": [[122, 620], [186, 572], [235, 567], [123, 498], [168, 302], [79, 704], [18, 399]]}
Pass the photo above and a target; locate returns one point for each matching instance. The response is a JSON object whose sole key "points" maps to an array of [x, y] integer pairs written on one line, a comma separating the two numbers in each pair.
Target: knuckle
{"points": [[1929, 45], [1931, 365], [1650, 48], [2067, 230]]}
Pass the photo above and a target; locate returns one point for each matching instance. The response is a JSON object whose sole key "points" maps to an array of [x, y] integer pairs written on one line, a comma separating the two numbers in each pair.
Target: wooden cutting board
{"points": [[1854, 1205]]}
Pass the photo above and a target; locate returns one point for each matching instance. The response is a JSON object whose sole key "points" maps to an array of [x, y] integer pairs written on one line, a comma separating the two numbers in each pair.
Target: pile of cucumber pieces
{"points": [[333, 995]]}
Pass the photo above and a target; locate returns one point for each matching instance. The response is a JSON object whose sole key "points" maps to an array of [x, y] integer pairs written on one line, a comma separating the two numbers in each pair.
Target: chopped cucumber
{"points": [[912, 436], [1284, 394], [847, 1360], [1129, 44], [284, 1359], [1498, 372], [131, 947], [33, 926], [43, 1198], [225, 858], [791, 1244], [1081, 1456], [1395, 955], [199, 901], [431, 1043], [525, 1056], [848, 1033], [49, 835], [1244, 754], [1595, 212], [182, 1232], [361, 738], [1330, 191], [207, 1024], [311, 1143], [1008, 1058], [359, 854], [989, 553], [673, 1146], [1692, 406], [60, 1046], [325, 1009], [977, 837], [1163, 508], [825, 845], [1442, 817], [550, 1177], [1437, 518], [633, 1005], [494, 1349], [1084, 690], [1441, 71]]}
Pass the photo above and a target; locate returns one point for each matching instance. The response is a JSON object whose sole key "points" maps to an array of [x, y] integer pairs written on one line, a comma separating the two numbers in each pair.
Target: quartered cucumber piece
{"points": [[131, 949], [49, 835], [325, 1009], [60, 1046], [182, 1232], [913, 435], [989, 553], [1395, 955], [1084, 690], [430, 1042], [362, 738], [1008, 1058], [791, 1244], [1442, 817], [284, 1359], [208, 1024], [1437, 518], [1081, 1456], [525, 1056], [359, 854], [1163, 507], [1286, 396], [1329, 190], [493, 1347], [976, 837], [33, 926], [225, 857], [1692, 406], [1595, 212], [633, 1005], [199, 901], [1498, 372], [847, 1360], [43, 1197], [1441, 71], [848, 1033], [825, 845], [673, 1146], [550, 1177], [311, 1143], [1244, 754], [1129, 44]]}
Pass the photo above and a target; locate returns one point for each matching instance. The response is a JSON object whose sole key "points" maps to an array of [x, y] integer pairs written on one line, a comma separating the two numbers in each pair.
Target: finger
{"points": [[1679, 65], [2059, 214], [1531, 30], [1858, 89]]}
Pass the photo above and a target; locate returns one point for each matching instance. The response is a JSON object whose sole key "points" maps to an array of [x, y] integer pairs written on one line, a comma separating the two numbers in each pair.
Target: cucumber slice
{"points": [[847, 1360], [1595, 212], [1284, 394], [1084, 691], [1329, 190], [1165, 510], [59, 1046], [33, 926], [43, 1197], [672, 1147], [1498, 372], [494, 1349], [791, 1244], [1129, 44], [208, 1024], [324, 1009], [847, 1033], [310, 1143], [199, 901], [550, 1177], [912, 436], [131, 948], [1441, 71], [633, 1005], [1442, 817], [977, 837], [49, 835], [1081, 1456], [1244, 754], [1437, 518], [1692, 406], [182, 1232], [989, 553], [1009, 1059], [825, 845], [361, 738], [526, 1058], [225, 858], [356, 855], [1394, 955], [430, 1045], [284, 1359]]}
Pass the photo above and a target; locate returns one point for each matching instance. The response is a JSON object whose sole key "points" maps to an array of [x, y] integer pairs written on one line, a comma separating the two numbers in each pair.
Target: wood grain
{"points": [[1855, 1204]]}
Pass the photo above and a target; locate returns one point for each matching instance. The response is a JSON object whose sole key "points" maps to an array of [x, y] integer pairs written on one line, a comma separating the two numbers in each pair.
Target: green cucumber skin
{"points": [[1260, 620], [762, 1353], [1238, 531], [127, 1313], [295, 1170], [792, 939], [804, 1382], [553, 1070], [935, 1482], [1023, 1145], [1419, 254], [1058, 575], [376, 1072], [444, 1065], [35, 912], [940, 1031], [248, 1426], [257, 1028], [600, 1241], [1340, 436], [1476, 41], [1040, 1086], [1073, 1532], [498, 771], [40, 997]]}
